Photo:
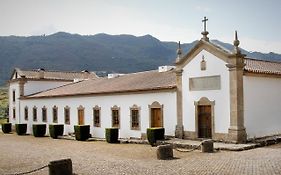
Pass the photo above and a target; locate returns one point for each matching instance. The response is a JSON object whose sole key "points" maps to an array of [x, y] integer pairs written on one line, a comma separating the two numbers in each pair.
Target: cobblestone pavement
{"points": [[23, 153]]}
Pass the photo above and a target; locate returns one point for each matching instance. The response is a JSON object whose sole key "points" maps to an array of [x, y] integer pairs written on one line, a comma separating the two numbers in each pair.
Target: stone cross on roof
{"points": [[205, 32], [205, 23]]}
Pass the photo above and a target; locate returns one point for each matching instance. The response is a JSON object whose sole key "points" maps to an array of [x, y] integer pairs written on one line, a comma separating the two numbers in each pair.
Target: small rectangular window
{"points": [[44, 114], [34, 114], [26, 113], [115, 118], [55, 114], [14, 95], [135, 119], [14, 113], [97, 117], [67, 115]]}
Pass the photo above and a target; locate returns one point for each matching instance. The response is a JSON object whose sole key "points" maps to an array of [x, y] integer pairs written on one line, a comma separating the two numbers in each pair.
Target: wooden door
{"points": [[204, 121], [80, 117], [156, 117]]}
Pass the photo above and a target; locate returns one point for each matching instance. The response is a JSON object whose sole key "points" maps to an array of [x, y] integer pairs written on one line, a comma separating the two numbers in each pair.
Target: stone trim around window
{"points": [[115, 116], [14, 112], [44, 114], [55, 114], [67, 115], [135, 120], [25, 113], [97, 116], [34, 113]]}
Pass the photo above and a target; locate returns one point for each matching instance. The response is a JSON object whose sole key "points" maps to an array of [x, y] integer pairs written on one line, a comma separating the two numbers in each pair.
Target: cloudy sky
{"points": [[257, 21]]}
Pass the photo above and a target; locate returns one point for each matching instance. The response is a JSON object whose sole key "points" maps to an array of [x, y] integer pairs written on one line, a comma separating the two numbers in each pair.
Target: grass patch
{"points": [[3, 101]]}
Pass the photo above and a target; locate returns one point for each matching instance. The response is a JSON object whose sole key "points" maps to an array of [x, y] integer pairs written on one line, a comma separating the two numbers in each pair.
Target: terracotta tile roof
{"points": [[135, 82], [55, 75], [262, 67]]}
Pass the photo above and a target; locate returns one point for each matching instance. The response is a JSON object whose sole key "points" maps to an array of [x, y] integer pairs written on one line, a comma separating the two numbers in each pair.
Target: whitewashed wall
{"points": [[168, 99], [31, 87], [262, 105], [215, 66], [14, 86]]}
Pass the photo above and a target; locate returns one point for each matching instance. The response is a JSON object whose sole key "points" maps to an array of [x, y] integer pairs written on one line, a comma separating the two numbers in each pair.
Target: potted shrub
{"points": [[154, 134], [21, 129], [6, 127], [111, 135], [56, 130], [82, 132], [39, 130]]}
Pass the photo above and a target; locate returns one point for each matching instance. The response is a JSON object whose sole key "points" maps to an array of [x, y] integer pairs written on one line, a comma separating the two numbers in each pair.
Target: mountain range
{"points": [[102, 53]]}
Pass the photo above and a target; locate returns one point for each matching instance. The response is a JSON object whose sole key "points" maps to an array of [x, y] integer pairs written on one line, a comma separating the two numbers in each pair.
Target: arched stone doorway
{"points": [[156, 114], [204, 118]]}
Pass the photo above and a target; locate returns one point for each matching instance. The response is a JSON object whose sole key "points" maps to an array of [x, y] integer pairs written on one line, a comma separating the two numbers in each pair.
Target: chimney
{"points": [[41, 73]]}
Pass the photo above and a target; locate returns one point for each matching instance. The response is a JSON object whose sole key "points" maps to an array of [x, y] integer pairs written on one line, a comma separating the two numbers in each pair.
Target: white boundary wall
{"points": [[262, 105]]}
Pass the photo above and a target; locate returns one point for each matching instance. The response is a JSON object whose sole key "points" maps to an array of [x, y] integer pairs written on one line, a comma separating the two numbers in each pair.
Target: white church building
{"points": [[211, 92]]}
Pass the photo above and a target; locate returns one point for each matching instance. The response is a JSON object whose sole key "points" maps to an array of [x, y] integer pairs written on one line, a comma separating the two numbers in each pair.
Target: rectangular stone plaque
{"points": [[205, 83]]}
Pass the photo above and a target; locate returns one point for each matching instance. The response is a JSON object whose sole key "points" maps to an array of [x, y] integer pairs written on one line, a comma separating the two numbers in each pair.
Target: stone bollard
{"points": [[60, 167], [207, 146], [164, 152]]}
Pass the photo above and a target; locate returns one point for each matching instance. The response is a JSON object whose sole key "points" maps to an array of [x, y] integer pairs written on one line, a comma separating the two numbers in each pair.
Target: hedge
{"points": [[21, 129], [82, 132], [7, 127], [154, 134], [39, 130], [56, 130], [111, 135]]}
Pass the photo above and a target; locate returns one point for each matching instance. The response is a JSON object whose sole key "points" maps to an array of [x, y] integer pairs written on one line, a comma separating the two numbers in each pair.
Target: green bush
{"points": [[7, 127], [82, 132], [21, 129], [56, 130], [154, 134], [39, 130], [111, 135]]}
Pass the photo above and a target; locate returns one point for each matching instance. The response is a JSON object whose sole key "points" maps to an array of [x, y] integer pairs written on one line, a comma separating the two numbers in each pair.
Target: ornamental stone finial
{"points": [[205, 32], [179, 52], [236, 43]]}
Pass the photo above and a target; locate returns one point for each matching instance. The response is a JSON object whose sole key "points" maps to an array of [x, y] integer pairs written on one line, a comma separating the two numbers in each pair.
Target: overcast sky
{"points": [[257, 21]]}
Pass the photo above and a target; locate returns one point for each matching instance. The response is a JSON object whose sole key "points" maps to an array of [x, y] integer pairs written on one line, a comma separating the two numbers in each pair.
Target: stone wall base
{"points": [[216, 136], [237, 135], [179, 133]]}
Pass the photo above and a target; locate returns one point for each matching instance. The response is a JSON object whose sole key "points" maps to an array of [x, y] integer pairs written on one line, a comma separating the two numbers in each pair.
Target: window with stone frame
{"points": [[34, 112], [14, 113], [67, 115], [26, 113], [14, 95], [96, 115], [135, 117], [115, 111], [44, 114], [55, 114]]}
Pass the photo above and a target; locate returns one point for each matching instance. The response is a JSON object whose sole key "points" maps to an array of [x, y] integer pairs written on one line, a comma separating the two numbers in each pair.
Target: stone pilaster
{"points": [[179, 128], [236, 131]]}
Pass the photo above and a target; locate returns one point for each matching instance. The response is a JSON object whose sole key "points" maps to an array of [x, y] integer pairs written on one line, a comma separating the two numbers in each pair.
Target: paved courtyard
{"points": [[23, 153]]}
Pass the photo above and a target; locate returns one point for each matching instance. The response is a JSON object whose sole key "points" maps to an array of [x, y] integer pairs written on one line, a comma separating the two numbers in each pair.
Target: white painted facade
{"points": [[262, 106], [31, 87], [105, 102], [214, 67]]}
